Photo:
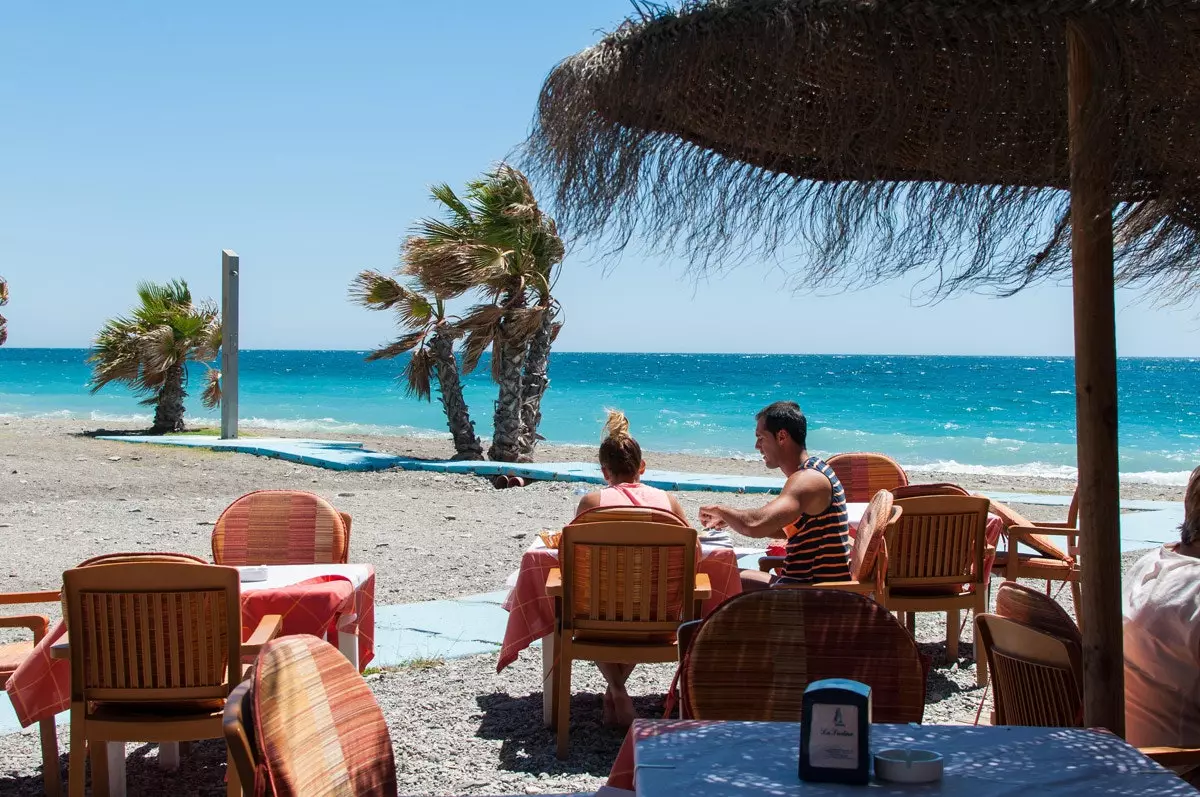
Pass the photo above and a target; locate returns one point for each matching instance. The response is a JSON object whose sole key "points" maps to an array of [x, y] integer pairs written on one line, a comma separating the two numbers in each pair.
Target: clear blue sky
{"points": [[139, 139]]}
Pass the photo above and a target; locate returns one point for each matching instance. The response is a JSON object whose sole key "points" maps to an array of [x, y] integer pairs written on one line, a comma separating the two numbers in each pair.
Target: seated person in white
{"points": [[1161, 606]]}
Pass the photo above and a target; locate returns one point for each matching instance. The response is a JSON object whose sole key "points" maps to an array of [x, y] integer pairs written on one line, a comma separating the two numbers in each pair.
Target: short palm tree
{"points": [[149, 350], [499, 243], [430, 336], [3, 320]]}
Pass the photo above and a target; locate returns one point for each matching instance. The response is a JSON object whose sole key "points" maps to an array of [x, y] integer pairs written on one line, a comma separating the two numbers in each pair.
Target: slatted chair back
{"points": [[642, 514], [869, 538], [863, 474], [1037, 610], [317, 730], [754, 656], [933, 488], [281, 527], [1035, 676], [939, 542], [153, 631], [628, 577]]}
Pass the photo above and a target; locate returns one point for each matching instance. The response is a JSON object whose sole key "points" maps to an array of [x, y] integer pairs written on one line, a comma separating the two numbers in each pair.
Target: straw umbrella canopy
{"points": [[981, 143]]}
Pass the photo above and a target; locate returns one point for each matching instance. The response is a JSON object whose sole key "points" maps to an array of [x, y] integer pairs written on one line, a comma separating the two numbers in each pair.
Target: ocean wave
{"points": [[1047, 471]]}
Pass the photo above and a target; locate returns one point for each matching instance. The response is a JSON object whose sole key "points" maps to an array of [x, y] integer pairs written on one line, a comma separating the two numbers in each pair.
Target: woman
{"points": [[1162, 638], [622, 465]]}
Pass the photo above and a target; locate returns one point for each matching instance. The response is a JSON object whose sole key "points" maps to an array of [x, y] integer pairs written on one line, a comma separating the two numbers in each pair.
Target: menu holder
{"points": [[835, 732]]}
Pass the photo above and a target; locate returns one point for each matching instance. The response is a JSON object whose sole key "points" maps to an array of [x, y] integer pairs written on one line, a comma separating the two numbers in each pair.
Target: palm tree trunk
{"points": [[534, 384], [168, 413], [507, 419], [458, 416]]}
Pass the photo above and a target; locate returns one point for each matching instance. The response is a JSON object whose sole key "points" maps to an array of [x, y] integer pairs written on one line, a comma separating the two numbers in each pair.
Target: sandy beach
{"points": [[458, 727]]}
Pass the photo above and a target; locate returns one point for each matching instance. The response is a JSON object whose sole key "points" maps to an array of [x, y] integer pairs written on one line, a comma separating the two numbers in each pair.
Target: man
{"points": [[810, 512]]}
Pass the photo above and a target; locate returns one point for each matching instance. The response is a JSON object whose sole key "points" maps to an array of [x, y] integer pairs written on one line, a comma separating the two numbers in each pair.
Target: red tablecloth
{"points": [[531, 611], [41, 686]]}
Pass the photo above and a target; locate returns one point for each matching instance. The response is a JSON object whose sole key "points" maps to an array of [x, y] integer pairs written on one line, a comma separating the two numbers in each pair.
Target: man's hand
{"points": [[713, 517]]}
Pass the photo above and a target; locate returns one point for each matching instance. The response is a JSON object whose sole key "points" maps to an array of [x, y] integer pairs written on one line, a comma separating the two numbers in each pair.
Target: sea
{"points": [[971, 415]]}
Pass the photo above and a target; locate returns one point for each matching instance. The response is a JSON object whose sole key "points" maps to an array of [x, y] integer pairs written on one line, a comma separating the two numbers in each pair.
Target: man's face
{"points": [[766, 444]]}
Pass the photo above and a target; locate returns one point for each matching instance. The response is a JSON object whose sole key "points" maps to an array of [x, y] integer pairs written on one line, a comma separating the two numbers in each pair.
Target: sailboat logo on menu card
{"points": [[837, 719]]}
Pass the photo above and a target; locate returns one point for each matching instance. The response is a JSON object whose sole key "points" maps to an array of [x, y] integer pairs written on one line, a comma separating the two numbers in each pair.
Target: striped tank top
{"points": [[818, 546]]}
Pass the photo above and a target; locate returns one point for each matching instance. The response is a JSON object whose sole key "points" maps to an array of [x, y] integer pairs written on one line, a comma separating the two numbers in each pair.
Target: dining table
{"points": [[332, 601], [707, 758]]}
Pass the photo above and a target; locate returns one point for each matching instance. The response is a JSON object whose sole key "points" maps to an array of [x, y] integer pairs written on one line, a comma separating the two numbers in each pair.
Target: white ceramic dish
{"points": [[908, 766], [252, 573]]}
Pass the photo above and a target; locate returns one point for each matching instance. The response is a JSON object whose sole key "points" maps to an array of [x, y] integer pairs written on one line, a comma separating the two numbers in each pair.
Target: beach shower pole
{"points": [[229, 343]]}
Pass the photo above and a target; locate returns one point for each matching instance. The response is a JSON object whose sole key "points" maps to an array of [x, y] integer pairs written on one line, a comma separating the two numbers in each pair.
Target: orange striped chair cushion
{"points": [[862, 475], [280, 527], [317, 725]]}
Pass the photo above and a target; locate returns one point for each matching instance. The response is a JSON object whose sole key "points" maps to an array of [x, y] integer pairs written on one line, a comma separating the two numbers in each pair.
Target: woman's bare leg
{"points": [[618, 705]]}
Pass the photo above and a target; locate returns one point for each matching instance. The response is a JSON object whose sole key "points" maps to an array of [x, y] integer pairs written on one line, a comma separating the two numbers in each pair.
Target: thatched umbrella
{"points": [[985, 143]]}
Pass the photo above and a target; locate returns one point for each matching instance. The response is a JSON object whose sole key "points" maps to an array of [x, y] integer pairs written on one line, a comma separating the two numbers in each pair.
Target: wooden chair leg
{"points": [[77, 758], [233, 783], [51, 775], [952, 635], [550, 681], [563, 695], [98, 753], [1077, 598], [910, 622], [981, 668]]}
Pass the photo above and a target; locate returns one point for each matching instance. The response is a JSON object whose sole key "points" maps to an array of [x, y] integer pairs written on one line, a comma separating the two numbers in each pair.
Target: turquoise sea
{"points": [[963, 414]]}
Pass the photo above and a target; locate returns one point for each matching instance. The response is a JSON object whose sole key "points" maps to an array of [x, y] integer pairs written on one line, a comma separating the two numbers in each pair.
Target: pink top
{"points": [[636, 494]]}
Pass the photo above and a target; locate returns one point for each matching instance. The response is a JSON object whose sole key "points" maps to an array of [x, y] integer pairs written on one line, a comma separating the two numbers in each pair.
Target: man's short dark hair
{"points": [[785, 416]]}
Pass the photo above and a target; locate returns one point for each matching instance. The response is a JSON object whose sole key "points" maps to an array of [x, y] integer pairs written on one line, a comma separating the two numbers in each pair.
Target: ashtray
{"points": [[908, 766], [252, 573]]}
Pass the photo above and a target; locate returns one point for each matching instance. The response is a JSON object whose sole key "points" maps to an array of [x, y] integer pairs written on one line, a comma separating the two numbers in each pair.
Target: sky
{"points": [[140, 139]]}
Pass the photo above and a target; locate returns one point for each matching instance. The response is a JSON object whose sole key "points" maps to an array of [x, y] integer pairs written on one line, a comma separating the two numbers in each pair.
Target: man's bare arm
{"points": [[801, 493]]}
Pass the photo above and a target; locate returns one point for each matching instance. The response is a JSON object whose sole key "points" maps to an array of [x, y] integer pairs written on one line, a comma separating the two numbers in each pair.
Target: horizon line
{"points": [[696, 353]]}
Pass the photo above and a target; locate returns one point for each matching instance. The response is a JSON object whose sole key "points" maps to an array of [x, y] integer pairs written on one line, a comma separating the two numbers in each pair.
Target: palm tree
{"points": [[430, 336], [498, 242], [149, 350], [3, 320]]}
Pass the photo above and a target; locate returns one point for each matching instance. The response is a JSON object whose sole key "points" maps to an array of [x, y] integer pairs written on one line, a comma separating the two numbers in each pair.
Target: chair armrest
{"points": [[38, 596], [268, 628], [1172, 756], [703, 587], [1049, 531], [62, 648], [768, 563], [554, 583], [39, 624]]}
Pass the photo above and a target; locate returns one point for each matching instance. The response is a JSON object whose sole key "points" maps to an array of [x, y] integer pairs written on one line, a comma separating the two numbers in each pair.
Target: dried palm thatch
{"points": [[878, 137]]}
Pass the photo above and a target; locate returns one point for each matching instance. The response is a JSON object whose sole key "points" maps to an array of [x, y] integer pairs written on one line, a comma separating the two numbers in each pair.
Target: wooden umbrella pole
{"points": [[1091, 153]]}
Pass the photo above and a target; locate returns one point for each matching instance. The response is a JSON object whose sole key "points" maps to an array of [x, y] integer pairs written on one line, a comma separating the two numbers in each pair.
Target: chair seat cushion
{"points": [[12, 654], [1041, 563], [184, 709], [949, 590]]}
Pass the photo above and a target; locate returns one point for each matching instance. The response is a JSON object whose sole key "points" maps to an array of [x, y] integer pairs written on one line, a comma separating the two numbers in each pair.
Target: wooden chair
{"points": [[281, 527], [155, 650], [623, 589], [13, 654], [640, 514], [128, 557], [935, 563], [868, 557], [304, 696], [1048, 562], [754, 656], [1037, 675], [863, 474]]}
